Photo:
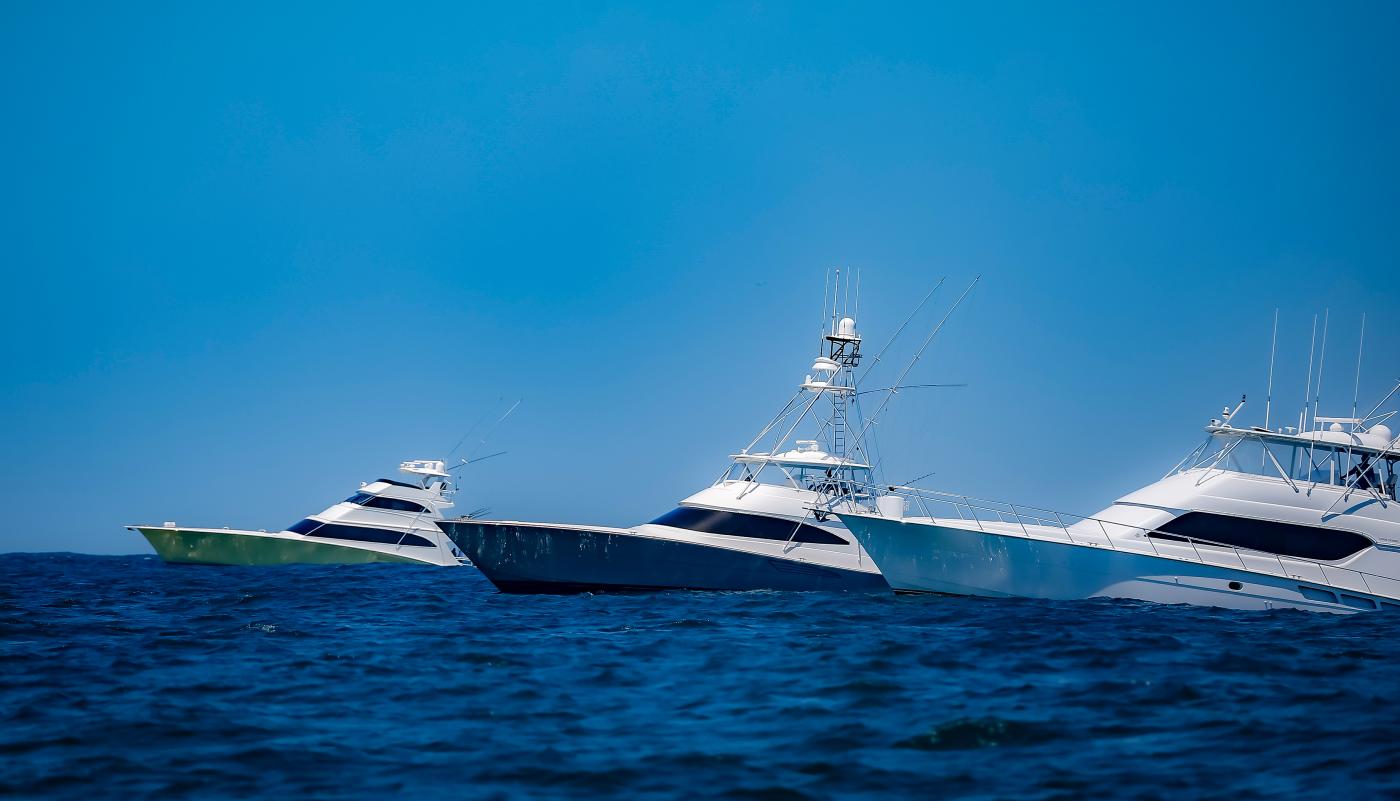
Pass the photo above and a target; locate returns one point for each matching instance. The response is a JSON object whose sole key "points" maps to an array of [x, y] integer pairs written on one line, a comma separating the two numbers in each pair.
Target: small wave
{"points": [[369, 682], [969, 733]]}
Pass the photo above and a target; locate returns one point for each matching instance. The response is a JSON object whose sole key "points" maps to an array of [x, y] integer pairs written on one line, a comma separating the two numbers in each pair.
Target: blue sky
{"points": [[256, 255]]}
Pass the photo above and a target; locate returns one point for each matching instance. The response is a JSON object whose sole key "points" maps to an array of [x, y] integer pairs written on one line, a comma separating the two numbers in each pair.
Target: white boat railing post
{"points": [[1364, 582], [973, 511], [1240, 557], [1019, 521], [1056, 518], [1147, 535]]}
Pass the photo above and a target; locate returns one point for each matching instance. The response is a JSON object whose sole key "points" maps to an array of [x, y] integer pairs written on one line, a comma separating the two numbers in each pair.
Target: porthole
{"points": [[1235, 585]]}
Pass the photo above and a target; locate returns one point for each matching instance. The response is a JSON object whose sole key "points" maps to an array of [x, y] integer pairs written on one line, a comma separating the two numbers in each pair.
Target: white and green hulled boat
{"points": [[385, 521]]}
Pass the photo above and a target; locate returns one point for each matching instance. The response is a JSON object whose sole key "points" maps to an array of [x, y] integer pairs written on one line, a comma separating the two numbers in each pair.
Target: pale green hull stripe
{"points": [[216, 548]]}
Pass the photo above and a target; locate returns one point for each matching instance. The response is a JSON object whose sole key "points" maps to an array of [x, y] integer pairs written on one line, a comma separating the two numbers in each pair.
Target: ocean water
{"points": [[121, 677]]}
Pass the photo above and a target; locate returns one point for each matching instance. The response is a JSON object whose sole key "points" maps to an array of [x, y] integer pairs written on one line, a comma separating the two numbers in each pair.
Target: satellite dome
{"points": [[1378, 436]]}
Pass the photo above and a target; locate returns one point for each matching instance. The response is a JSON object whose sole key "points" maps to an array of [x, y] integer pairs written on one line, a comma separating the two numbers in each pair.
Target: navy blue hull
{"points": [[553, 559]]}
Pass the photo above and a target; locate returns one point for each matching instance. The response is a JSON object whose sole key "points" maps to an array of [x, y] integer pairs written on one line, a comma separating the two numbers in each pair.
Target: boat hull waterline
{"points": [[948, 558], [255, 548], [535, 558]]}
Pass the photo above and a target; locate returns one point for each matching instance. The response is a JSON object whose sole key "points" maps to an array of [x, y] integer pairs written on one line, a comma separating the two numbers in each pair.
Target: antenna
{"points": [[1269, 395], [835, 295], [1356, 388], [846, 304], [1312, 348], [1321, 360], [826, 285], [858, 294]]}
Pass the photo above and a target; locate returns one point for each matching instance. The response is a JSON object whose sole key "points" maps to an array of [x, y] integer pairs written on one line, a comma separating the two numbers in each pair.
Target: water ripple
{"points": [[149, 681]]}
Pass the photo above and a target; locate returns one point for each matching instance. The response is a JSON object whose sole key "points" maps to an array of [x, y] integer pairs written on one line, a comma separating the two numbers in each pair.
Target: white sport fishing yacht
{"points": [[385, 521], [768, 522], [1252, 519]]}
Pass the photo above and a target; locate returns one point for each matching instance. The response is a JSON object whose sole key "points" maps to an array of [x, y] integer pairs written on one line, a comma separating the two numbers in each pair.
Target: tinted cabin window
{"points": [[334, 531], [734, 524], [381, 502], [397, 504], [1285, 539]]}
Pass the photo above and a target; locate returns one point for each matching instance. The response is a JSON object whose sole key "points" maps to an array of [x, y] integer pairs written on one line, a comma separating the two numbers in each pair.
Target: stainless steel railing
{"points": [[1024, 518]]}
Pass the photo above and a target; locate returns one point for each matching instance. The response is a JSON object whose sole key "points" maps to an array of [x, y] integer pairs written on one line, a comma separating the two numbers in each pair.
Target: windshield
{"points": [[1308, 463], [817, 479]]}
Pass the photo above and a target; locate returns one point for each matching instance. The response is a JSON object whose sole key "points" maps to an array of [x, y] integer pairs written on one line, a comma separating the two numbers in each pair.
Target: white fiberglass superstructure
{"points": [[768, 522], [385, 521], [1253, 518], [777, 498]]}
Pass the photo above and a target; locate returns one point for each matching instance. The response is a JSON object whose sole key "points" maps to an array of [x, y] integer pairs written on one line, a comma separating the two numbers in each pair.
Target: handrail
{"points": [[1001, 508]]}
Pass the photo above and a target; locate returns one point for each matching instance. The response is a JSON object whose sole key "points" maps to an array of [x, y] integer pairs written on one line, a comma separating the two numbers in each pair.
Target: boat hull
{"points": [[532, 558], [924, 557], [253, 548]]}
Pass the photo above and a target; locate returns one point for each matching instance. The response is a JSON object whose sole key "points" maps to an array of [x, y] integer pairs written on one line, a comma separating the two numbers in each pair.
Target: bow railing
{"points": [[1031, 522]]}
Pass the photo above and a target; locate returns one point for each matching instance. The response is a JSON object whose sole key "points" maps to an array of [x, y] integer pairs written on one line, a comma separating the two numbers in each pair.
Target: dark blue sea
{"points": [[121, 677]]}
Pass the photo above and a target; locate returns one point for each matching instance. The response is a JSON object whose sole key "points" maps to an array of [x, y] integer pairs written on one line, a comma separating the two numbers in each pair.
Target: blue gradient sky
{"points": [[255, 256]]}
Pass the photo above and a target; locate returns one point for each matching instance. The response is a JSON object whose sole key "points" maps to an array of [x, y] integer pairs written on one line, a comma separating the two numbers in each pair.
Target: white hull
{"points": [[956, 557], [786, 503], [225, 546], [385, 521]]}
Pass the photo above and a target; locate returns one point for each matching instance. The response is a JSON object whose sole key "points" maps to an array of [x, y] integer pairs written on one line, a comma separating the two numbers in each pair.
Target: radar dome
{"points": [[846, 328], [1378, 436]]}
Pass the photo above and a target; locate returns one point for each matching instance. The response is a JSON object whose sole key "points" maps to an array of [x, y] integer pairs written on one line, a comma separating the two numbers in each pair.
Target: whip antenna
{"points": [[1269, 395], [821, 326], [1321, 360], [1356, 388], [1312, 348]]}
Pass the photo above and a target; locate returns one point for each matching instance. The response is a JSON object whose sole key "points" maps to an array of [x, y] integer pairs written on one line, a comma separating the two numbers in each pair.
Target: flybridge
{"points": [[1377, 440], [1353, 454], [806, 454]]}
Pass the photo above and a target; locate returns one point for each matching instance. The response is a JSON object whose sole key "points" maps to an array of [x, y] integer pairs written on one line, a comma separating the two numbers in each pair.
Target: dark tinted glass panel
{"points": [[398, 483], [397, 504], [735, 524], [1286, 539], [305, 526], [381, 502], [361, 534]]}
